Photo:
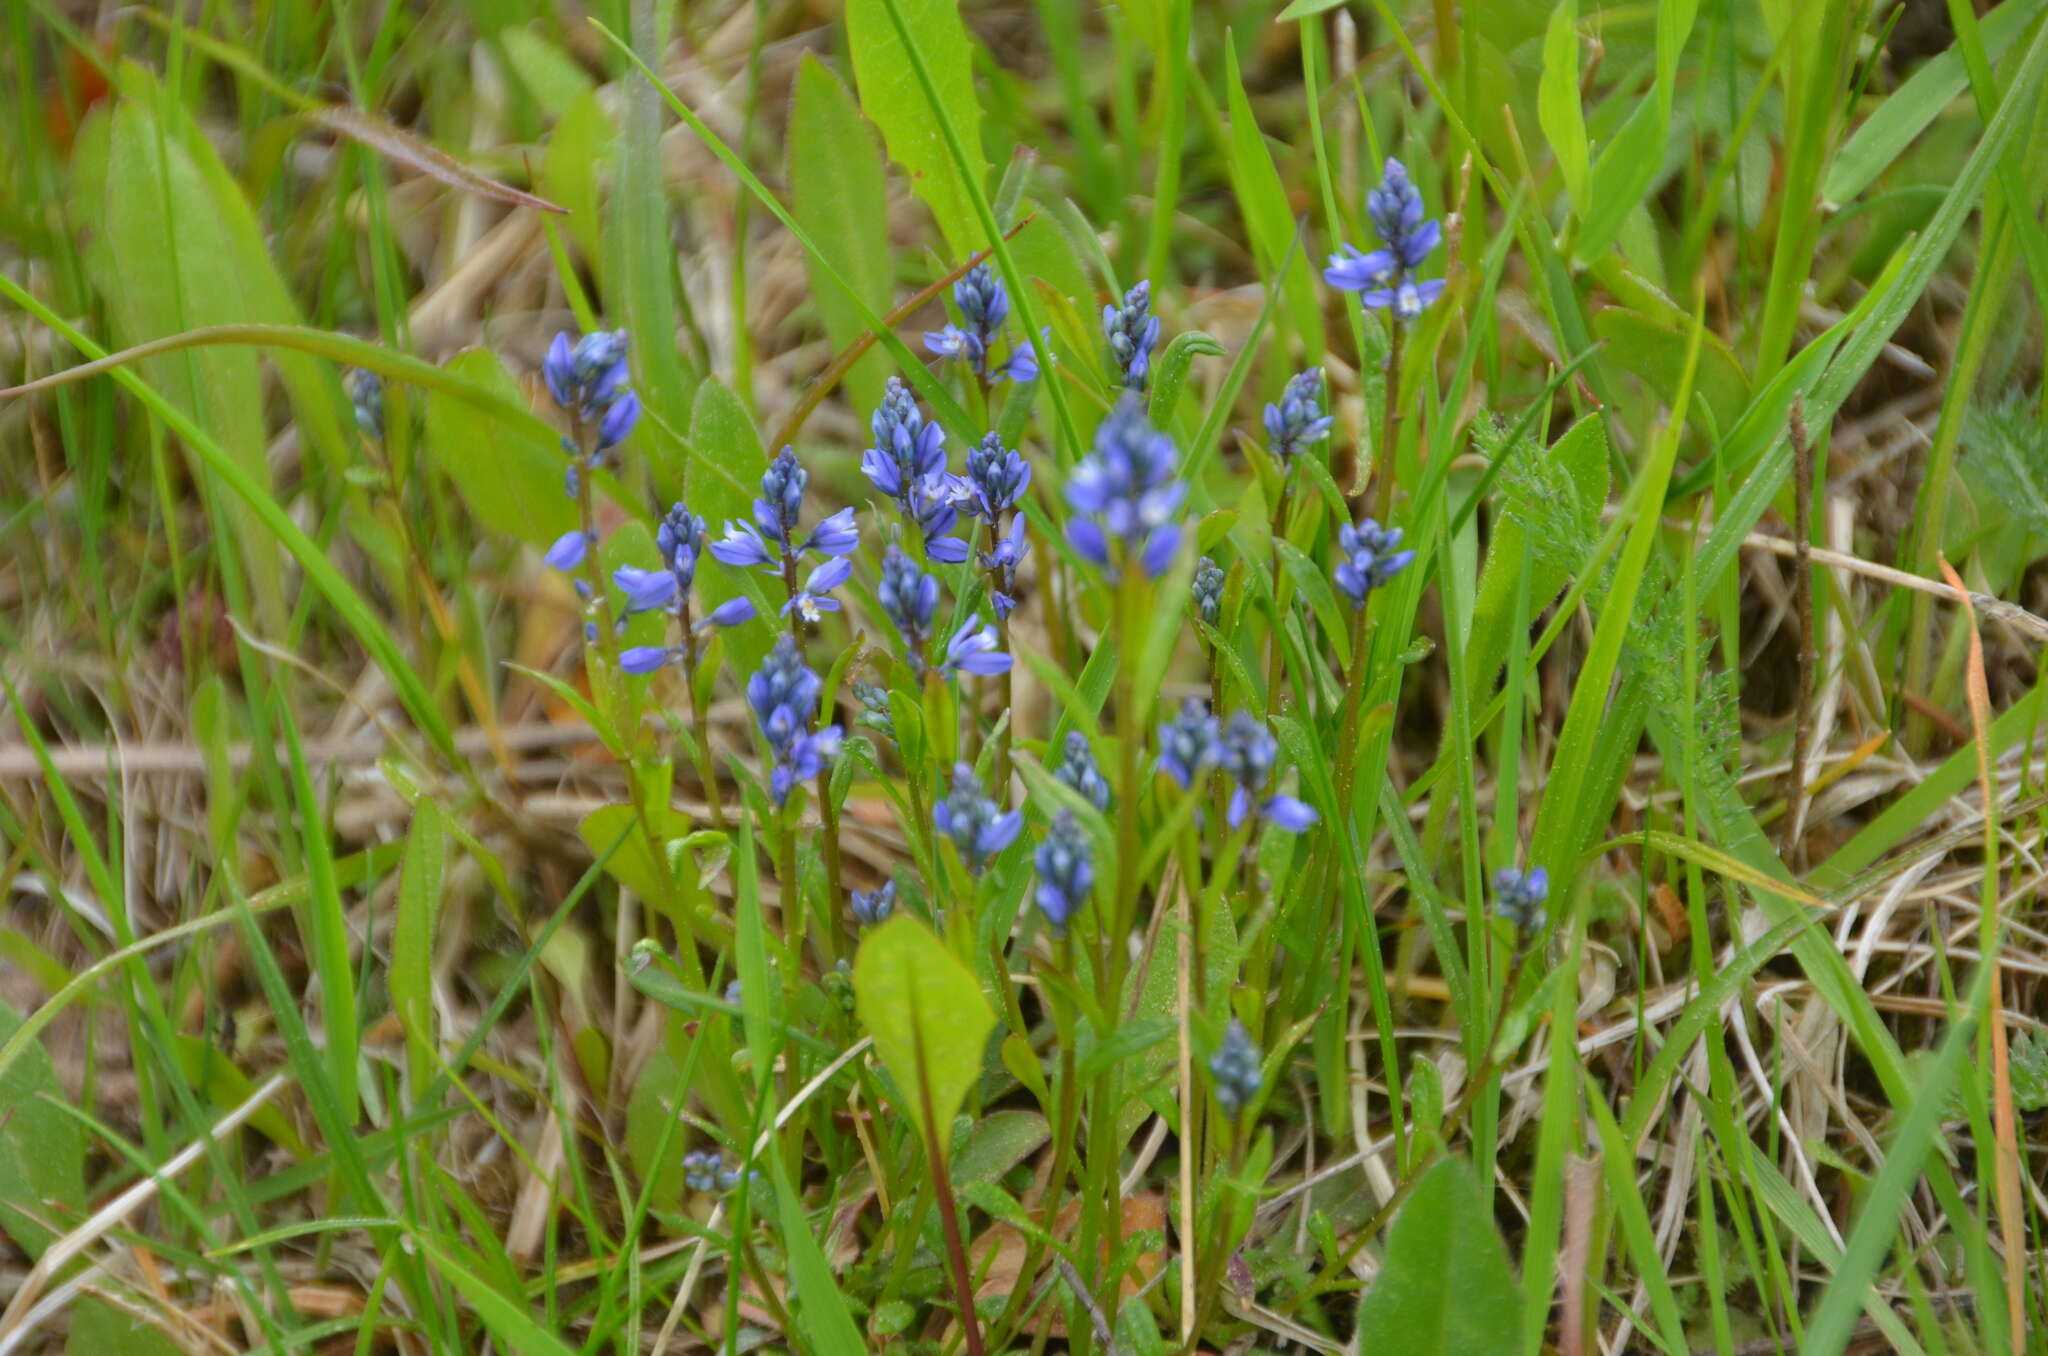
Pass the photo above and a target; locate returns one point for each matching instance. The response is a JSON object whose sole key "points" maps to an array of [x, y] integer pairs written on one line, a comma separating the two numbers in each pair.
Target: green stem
{"points": [[1389, 423]]}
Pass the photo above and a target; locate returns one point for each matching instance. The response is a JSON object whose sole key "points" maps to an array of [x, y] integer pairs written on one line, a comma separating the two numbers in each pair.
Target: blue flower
{"points": [[910, 599], [814, 599], [772, 536], [586, 378], [1188, 743], [1298, 420], [932, 504], [784, 696], [1246, 751], [1208, 590], [1372, 556], [1127, 495], [646, 590], [996, 478], [973, 649], [1001, 565], [569, 549], [1386, 278], [1133, 332], [703, 1169], [619, 418], [1235, 1067], [366, 395], [1024, 363], [976, 824], [984, 303], [873, 906], [1518, 897], [1066, 871], [908, 447], [681, 539], [1078, 772]]}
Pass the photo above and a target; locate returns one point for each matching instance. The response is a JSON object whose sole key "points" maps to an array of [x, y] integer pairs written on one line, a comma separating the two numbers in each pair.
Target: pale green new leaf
{"points": [[893, 100], [928, 1016]]}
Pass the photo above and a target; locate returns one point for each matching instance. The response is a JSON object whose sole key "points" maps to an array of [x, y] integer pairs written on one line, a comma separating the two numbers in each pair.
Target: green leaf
{"points": [[412, 938], [997, 1143], [2008, 458], [1557, 105], [1911, 108], [509, 1319], [216, 1077], [838, 191], [928, 1016], [1262, 198], [821, 1313], [550, 75], [894, 101], [726, 462], [1444, 1285], [166, 267], [634, 865], [510, 479], [42, 1154], [100, 1329], [1171, 371], [1655, 352]]}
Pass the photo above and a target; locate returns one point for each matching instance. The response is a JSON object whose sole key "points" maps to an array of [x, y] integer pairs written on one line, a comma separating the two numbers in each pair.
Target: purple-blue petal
{"points": [[1160, 545], [568, 551], [1085, 535], [731, 612], [1000, 833], [1295, 816], [644, 658]]}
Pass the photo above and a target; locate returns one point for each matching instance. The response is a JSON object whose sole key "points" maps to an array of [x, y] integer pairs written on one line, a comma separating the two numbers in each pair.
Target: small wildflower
{"points": [[1024, 363], [1001, 565], [569, 549], [1235, 1067], [815, 597], [366, 394], [976, 824], [1372, 556], [1188, 743], [1298, 420], [1066, 871], [772, 537], [1208, 590], [1385, 278], [1078, 773], [873, 906], [984, 304], [784, 696], [932, 503], [1518, 897], [908, 447], [1133, 332], [1126, 493], [974, 649], [1247, 750], [996, 478], [589, 377], [910, 599], [874, 706], [703, 1169], [645, 590]]}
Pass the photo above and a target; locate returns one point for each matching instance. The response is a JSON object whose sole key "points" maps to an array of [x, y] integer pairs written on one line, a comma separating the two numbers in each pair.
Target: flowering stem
{"points": [[1274, 669], [1383, 503], [700, 723]]}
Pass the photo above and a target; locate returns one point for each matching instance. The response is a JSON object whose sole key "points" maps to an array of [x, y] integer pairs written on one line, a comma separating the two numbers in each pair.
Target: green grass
{"points": [[368, 936]]}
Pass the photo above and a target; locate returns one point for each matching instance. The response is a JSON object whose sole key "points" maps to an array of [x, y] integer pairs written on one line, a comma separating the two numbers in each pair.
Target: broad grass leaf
{"points": [[1911, 108], [1262, 198], [1655, 352], [995, 1144], [510, 479], [894, 100], [928, 1016], [1557, 105], [100, 1329], [1444, 1287], [726, 462], [582, 140], [42, 1151], [1173, 366], [420, 880], [821, 1313], [508, 1318], [214, 1075], [550, 75], [167, 267], [839, 192]]}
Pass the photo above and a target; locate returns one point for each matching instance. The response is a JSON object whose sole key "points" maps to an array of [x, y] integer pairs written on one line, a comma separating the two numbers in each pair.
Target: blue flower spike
{"points": [[783, 694], [1079, 773], [1126, 494], [1247, 751], [1235, 1067], [1133, 332], [1385, 279], [1372, 556], [1299, 420], [976, 824], [1066, 871], [1518, 896], [1190, 744]]}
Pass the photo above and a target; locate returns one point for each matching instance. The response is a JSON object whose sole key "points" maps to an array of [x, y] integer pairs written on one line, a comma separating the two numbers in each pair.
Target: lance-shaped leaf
{"points": [[928, 1016]]}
